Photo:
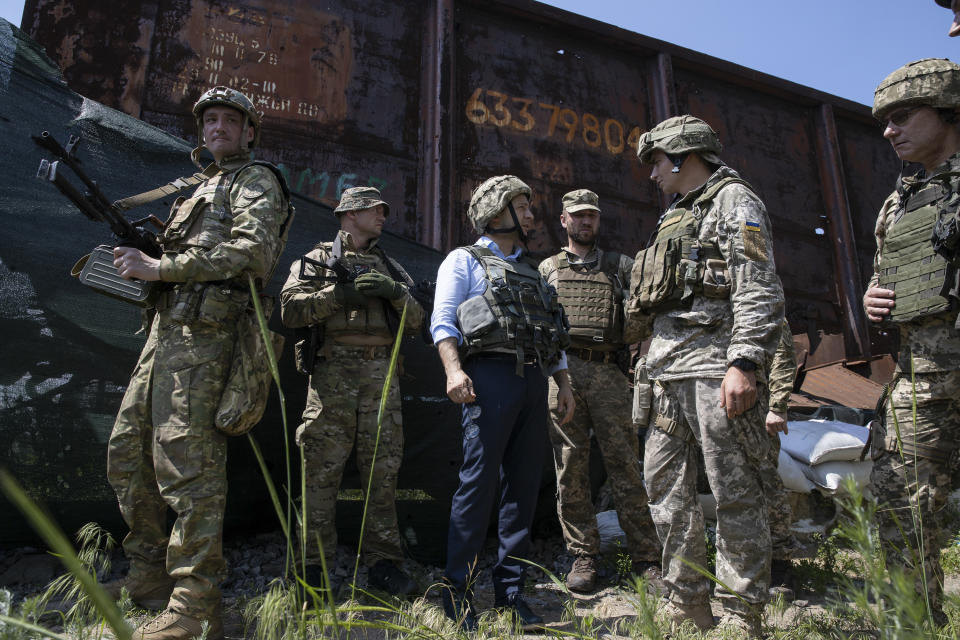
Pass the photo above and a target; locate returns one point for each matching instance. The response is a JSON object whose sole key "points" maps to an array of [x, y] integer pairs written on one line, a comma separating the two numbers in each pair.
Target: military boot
{"points": [[173, 625], [583, 574], [650, 571], [676, 613], [781, 580], [742, 621], [386, 576], [150, 591]]}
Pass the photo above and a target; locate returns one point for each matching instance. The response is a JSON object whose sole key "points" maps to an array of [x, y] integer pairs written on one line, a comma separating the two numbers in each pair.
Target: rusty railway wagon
{"points": [[423, 100]]}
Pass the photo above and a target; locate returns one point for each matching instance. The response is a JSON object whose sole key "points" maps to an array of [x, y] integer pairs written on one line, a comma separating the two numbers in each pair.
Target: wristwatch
{"points": [[743, 364]]}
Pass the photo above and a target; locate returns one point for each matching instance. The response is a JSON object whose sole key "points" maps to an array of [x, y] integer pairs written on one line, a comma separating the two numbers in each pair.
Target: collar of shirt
{"points": [[350, 245], [487, 242], [592, 257]]}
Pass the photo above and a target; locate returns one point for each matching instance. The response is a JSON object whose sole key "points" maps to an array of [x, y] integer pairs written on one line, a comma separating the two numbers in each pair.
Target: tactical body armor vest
{"points": [[908, 263], [592, 299], [677, 266], [370, 318], [205, 220], [518, 314]]}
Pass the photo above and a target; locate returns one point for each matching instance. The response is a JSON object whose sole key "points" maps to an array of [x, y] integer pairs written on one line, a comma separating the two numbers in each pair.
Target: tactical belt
{"points": [[593, 355], [502, 356], [362, 351], [940, 455]]}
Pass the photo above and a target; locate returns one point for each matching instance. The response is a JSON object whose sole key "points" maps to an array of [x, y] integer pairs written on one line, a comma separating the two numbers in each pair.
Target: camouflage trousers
{"points": [[914, 488], [779, 513], [164, 451], [341, 413], [603, 406], [731, 448]]}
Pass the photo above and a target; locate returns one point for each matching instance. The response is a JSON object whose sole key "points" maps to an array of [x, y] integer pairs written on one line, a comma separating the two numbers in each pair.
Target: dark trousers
{"points": [[504, 440]]}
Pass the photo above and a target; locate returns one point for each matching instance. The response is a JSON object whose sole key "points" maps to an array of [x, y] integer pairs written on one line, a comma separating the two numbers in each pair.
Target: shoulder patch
{"points": [[754, 244]]}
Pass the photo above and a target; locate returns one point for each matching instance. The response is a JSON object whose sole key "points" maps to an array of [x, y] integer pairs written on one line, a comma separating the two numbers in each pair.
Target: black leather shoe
{"points": [[516, 606], [388, 577], [459, 609]]}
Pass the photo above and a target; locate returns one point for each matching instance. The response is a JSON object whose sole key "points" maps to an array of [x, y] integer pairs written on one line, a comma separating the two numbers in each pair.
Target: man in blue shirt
{"points": [[500, 331]]}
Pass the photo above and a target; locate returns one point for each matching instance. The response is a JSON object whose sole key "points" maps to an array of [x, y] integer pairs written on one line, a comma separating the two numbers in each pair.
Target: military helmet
{"points": [[680, 135], [944, 3], [934, 82], [492, 197], [226, 97]]}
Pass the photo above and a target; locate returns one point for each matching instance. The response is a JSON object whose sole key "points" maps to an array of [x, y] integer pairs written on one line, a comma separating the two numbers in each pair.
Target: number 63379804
{"points": [[515, 113]]}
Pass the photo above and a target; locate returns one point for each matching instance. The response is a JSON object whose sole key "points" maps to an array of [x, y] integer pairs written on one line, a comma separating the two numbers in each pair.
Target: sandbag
{"points": [[817, 441], [829, 475], [792, 474]]}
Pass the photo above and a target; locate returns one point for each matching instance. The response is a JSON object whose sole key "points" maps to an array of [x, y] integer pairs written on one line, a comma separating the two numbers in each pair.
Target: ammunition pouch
{"points": [[642, 395], [308, 346], [97, 271]]}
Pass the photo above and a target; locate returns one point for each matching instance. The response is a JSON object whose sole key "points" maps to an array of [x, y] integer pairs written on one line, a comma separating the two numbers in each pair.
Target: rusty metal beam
{"points": [[435, 181], [840, 228], [664, 100]]}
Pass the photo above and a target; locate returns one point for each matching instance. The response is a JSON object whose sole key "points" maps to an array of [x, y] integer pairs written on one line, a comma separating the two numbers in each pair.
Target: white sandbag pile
{"points": [[824, 452]]}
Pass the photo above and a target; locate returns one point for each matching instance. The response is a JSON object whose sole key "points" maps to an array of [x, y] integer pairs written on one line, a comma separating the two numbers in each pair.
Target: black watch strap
{"points": [[743, 364]]}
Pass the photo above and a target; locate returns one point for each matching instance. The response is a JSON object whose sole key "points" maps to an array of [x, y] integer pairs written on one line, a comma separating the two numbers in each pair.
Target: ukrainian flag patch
{"points": [[754, 242]]}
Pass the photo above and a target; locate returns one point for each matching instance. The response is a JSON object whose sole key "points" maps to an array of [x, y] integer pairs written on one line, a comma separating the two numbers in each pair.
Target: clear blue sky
{"points": [[844, 47]]}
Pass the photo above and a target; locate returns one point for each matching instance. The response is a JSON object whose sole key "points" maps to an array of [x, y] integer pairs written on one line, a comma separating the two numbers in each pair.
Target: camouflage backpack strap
{"points": [[283, 186], [125, 204]]}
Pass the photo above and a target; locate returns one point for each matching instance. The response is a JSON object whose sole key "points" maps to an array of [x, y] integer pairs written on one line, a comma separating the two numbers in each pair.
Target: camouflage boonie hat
{"points": [[680, 135], [581, 199], [934, 82], [492, 197], [357, 198]]}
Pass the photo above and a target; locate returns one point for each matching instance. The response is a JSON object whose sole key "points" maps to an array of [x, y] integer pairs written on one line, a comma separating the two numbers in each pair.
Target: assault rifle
{"points": [[96, 270]]}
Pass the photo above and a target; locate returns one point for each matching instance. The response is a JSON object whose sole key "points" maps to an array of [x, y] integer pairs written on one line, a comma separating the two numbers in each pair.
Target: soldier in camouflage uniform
{"points": [[707, 289], [591, 284], [357, 314], [914, 285], [164, 449], [954, 6], [783, 370]]}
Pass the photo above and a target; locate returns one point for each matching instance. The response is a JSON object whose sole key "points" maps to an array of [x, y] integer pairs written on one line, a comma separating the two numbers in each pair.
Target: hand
{"points": [[460, 387], [738, 391], [348, 296], [133, 263], [877, 302], [565, 403], [776, 422], [378, 285]]}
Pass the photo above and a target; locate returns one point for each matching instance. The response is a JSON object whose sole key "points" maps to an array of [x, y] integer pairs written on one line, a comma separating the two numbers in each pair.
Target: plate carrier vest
{"points": [[908, 264], [673, 268], [518, 314], [592, 299]]}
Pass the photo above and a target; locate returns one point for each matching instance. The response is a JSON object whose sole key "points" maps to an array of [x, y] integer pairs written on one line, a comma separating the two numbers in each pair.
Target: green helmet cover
{"points": [[934, 82], [681, 135]]}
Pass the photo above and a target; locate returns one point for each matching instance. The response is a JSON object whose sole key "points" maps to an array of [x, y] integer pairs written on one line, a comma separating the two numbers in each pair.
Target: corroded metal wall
{"points": [[426, 99]]}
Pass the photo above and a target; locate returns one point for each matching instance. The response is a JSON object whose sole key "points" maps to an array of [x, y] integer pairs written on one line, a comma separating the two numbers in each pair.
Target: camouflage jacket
{"points": [[702, 340], [310, 302], [204, 242], [782, 371], [933, 341]]}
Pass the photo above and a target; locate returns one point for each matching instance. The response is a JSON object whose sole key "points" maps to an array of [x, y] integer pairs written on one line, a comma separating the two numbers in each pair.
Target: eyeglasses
{"points": [[899, 117]]}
